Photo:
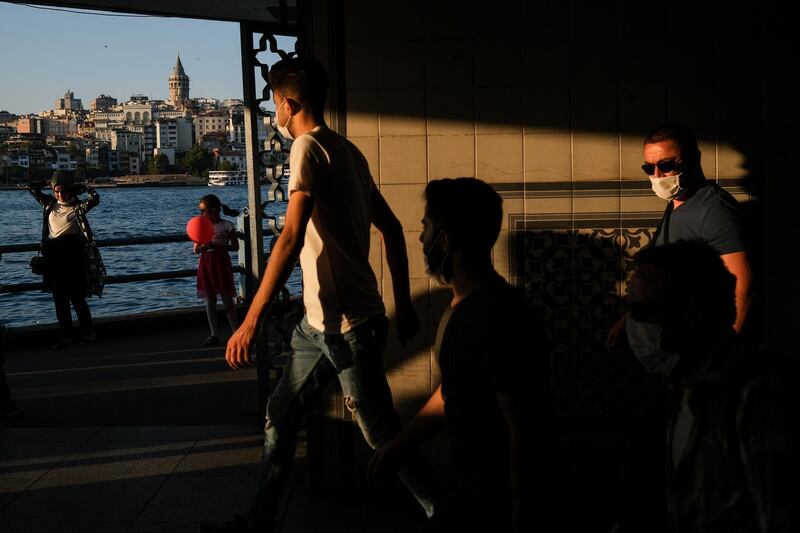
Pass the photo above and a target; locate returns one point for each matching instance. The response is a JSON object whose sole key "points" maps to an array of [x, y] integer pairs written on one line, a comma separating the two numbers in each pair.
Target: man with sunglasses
{"points": [[697, 209]]}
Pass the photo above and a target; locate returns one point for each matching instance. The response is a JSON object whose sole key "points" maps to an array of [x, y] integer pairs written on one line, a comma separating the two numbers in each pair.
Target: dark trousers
{"points": [[65, 275]]}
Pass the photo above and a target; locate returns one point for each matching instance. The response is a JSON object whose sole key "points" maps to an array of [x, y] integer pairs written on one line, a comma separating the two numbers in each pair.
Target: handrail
{"points": [[111, 280], [104, 243]]}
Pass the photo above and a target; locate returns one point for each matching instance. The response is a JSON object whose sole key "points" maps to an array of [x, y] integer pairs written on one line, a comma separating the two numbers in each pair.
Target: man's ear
{"points": [[692, 159], [293, 105]]}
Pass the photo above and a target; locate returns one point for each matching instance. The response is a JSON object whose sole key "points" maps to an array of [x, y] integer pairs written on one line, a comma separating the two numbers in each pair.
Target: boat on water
{"points": [[223, 178]]}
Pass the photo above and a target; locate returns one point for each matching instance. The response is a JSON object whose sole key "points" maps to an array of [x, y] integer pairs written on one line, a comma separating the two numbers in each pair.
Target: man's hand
{"points": [[616, 330], [237, 353], [408, 323], [386, 460]]}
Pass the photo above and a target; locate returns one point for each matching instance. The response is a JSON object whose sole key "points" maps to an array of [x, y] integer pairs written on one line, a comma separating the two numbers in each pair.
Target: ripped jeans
{"points": [[356, 359]]}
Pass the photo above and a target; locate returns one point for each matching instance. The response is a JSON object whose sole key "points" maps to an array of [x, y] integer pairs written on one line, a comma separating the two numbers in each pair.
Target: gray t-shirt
{"points": [[711, 215]]}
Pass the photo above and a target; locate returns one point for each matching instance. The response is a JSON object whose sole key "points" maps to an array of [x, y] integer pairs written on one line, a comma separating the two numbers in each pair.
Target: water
{"points": [[122, 212]]}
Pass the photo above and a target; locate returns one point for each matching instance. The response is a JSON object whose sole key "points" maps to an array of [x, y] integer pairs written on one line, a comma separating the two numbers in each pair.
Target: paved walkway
{"points": [[153, 433]]}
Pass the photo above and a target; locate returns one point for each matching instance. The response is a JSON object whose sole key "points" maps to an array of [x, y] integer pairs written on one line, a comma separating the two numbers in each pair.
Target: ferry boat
{"points": [[223, 178]]}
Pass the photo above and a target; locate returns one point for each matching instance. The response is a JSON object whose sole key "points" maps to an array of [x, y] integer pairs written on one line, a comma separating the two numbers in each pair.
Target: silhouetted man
{"points": [[494, 360], [729, 437]]}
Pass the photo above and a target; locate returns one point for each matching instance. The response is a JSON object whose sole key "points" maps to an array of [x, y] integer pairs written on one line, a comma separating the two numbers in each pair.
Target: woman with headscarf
{"points": [[73, 268]]}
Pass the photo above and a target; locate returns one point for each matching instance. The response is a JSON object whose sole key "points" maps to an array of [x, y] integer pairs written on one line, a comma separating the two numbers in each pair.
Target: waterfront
{"points": [[123, 212]]}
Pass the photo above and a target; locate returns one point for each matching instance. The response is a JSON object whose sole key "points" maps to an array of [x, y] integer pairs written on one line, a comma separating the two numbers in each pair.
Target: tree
{"points": [[226, 165], [196, 161], [158, 164]]}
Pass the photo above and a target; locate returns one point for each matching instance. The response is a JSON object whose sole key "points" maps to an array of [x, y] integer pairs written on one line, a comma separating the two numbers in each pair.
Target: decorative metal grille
{"points": [[273, 162]]}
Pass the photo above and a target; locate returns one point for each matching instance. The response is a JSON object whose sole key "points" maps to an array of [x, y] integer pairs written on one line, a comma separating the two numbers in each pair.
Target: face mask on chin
{"points": [[284, 130], [645, 340], [667, 188], [436, 259]]}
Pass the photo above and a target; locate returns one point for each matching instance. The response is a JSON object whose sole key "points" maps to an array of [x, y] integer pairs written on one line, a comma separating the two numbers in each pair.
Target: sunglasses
{"points": [[664, 166]]}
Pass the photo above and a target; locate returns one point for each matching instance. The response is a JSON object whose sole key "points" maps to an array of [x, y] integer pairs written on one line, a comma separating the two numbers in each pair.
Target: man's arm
{"points": [[509, 409], [739, 265], [281, 262], [390, 457], [395, 244]]}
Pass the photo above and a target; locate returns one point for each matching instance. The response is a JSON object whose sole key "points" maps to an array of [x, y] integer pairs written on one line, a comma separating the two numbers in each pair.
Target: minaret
{"points": [[178, 86]]}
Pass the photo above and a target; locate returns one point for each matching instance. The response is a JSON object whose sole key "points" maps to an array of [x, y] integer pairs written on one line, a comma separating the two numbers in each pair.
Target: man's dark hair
{"points": [[301, 78], [696, 273], [468, 210], [682, 135]]}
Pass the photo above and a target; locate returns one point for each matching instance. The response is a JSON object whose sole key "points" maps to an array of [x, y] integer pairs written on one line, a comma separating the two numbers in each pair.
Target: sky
{"points": [[45, 52]]}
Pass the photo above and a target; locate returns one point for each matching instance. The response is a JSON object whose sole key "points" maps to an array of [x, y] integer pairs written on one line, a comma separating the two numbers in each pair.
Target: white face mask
{"points": [[284, 130], [644, 338], [666, 188]]}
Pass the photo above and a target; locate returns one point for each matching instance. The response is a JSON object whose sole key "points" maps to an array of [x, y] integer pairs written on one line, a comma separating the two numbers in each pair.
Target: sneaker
{"points": [[10, 408], [63, 342], [211, 341], [237, 525]]}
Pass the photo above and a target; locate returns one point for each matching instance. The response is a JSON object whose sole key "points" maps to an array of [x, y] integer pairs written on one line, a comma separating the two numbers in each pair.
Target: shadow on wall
{"points": [[538, 96]]}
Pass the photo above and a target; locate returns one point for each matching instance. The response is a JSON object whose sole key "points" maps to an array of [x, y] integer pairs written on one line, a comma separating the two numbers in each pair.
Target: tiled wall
{"points": [[549, 102]]}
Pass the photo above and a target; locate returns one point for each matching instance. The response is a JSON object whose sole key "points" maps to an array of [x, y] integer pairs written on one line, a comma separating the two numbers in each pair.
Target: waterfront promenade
{"points": [[149, 432]]}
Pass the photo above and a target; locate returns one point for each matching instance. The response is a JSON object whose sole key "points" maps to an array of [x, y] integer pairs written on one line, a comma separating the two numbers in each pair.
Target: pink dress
{"points": [[214, 271]]}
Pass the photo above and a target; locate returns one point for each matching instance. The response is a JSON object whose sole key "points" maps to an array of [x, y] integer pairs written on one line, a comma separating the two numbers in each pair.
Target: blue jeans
{"points": [[355, 358]]}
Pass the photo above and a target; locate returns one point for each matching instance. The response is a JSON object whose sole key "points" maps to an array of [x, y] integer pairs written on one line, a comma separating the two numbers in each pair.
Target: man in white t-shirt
{"points": [[333, 201]]}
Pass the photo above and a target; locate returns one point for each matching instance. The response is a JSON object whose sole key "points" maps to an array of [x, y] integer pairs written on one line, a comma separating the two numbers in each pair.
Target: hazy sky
{"points": [[44, 52]]}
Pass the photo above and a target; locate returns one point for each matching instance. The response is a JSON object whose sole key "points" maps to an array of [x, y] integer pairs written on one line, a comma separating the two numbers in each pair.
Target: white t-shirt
{"points": [[340, 290], [63, 220], [222, 232]]}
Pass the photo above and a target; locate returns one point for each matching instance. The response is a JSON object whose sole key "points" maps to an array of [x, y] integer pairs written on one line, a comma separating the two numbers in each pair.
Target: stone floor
{"points": [[165, 479], [154, 434]]}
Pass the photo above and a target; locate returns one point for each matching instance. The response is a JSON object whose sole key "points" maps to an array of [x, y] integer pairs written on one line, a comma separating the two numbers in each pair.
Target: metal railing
{"points": [[122, 278]]}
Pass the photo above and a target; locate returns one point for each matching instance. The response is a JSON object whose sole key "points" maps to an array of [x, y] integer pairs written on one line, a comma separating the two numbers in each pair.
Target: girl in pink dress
{"points": [[214, 271]]}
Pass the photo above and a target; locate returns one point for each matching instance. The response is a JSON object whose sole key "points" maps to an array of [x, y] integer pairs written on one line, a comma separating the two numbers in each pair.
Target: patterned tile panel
{"points": [[573, 269]]}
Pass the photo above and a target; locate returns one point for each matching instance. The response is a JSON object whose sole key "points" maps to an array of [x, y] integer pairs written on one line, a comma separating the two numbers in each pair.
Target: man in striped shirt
{"points": [[731, 440]]}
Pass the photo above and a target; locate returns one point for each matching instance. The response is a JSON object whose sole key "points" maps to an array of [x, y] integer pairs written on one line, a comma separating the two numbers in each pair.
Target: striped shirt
{"points": [[740, 463]]}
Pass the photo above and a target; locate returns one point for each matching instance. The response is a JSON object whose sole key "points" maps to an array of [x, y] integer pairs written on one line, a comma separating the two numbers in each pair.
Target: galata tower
{"points": [[178, 86]]}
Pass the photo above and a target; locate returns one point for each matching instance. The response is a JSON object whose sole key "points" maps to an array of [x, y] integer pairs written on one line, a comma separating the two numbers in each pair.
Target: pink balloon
{"points": [[200, 229]]}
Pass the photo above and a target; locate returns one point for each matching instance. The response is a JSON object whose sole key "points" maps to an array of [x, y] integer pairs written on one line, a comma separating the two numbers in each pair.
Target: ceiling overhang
{"points": [[272, 12]]}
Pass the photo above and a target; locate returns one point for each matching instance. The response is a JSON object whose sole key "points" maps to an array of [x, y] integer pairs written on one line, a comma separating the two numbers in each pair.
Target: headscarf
{"points": [[61, 177]]}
